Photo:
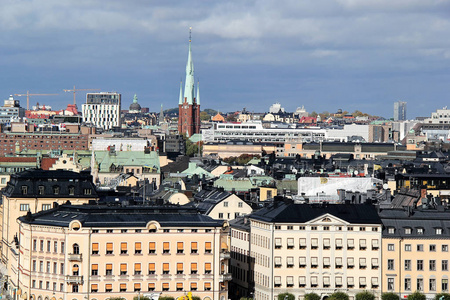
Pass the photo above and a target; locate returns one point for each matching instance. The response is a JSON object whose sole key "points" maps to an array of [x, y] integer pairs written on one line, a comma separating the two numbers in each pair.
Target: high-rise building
{"points": [[11, 111], [399, 111], [102, 109], [189, 105]]}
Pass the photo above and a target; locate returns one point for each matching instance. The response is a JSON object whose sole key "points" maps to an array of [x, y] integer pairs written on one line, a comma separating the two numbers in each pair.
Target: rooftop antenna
{"points": [[190, 30]]}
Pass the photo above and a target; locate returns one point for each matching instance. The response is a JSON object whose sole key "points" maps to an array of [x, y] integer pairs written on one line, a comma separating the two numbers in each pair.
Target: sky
{"points": [[324, 55]]}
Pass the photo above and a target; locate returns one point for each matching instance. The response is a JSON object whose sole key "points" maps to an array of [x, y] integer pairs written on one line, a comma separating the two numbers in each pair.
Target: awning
{"points": [[338, 280], [138, 246], [326, 242], [290, 280], [314, 242], [351, 243], [350, 261], [290, 242], [362, 243], [338, 261], [123, 246], [302, 242], [277, 280], [362, 262], [314, 280], [326, 280], [374, 262], [278, 242], [338, 242], [180, 246], [193, 266], [123, 267], [137, 267], [302, 280], [165, 267], [290, 260], [375, 243], [302, 261]]}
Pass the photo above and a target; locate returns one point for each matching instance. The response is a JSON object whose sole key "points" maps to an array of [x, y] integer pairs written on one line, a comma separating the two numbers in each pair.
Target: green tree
{"points": [[140, 298], [313, 114], [417, 296], [231, 118], [312, 296], [166, 298], [195, 297], [445, 295], [365, 295], [339, 296], [204, 116], [389, 296], [117, 298], [286, 296]]}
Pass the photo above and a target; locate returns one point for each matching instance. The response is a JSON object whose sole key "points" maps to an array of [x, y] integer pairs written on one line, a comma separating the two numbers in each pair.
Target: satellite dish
{"points": [[385, 186], [356, 172]]}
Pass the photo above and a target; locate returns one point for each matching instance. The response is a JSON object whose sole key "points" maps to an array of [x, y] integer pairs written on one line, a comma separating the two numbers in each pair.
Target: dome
{"points": [[135, 107]]}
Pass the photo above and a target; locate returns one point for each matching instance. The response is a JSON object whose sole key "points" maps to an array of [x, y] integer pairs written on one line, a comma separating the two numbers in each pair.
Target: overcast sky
{"points": [[323, 54]]}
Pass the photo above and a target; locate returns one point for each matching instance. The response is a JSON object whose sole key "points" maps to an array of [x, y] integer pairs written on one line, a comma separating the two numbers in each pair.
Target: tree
{"points": [[286, 296], [166, 298], [204, 116], [365, 295], [445, 295], [417, 296], [339, 296], [231, 118], [313, 114], [140, 298], [389, 296], [312, 296]]}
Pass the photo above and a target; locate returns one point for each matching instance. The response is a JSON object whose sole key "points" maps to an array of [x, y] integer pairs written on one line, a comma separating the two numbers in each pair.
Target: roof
{"points": [[101, 216], [280, 212], [105, 159]]}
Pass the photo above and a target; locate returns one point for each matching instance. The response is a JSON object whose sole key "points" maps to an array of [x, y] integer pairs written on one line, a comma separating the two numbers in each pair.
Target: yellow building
{"points": [[99, 252], [415, 251]]}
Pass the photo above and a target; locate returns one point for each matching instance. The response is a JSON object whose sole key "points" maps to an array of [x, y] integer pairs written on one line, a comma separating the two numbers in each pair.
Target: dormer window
{"points": [[391, 230], [438, 231], [407, 230], [24, 189], [419, 230]]}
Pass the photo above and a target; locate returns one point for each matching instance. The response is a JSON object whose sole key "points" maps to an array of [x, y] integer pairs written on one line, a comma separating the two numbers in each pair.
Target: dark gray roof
{"points": [[428, 220], [117, 216], [300, 213], [241, 223]]}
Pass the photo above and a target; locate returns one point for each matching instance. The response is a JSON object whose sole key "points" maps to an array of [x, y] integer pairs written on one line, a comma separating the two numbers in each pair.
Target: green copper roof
{"points": [[189, 82], [180, 101], [193, 169], [126, 158]]}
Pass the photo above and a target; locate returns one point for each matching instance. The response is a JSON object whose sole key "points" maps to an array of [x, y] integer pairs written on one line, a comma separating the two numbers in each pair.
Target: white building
{"points": [[102, 109], [438, 126]]}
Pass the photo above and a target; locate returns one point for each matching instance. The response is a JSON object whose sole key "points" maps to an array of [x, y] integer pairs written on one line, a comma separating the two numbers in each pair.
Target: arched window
{"points": [[75, 270], [76, 249]]}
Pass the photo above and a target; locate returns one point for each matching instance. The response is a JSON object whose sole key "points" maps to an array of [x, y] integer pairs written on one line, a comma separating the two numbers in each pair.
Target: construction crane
{"points": [[74, 90], [28, 97]]}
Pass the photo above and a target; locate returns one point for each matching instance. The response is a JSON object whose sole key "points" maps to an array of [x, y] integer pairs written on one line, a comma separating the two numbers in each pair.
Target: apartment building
{"points": [[415, 250], [102, 110], [38, 190], [302, 248], [98, 252]]}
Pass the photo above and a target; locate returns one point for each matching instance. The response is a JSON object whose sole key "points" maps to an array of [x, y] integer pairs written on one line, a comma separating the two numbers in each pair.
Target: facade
{"points": [[399, 111], [415, 251], [237, 148], [189, 105], [16, 142], [99, 252], [102, 110], [302, 248], [438, 126], [11, 111]]}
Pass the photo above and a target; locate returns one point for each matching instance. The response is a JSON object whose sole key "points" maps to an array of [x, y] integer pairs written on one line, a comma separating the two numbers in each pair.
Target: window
{"points": [[179, 268], [24, 207], [313, 227], [34, 245], [432, 265], [220, 215], [420, 284], [56, 190], [123, 287], [391, 230], [444, 248], [151, 287], [290, 243], [207, 286], [438, 231], [151, 268], [137, 269], [194, 248], [390, 284], [290, 227], [166, 247], [432, 284], [151, 247], [444, 265], [419, 265], [74, 288], [76, 249], [208, 248], [61, 269], [46, 206], [419, 247], [55, 247], [94, 270], [179, 286], [180, 247], [391, 247], [194, 268], [55, 268], [240, 204], [123, 248], [24, 190], [407, 265], [123, 269], [407, 247], [408, 230], [407, 284], [432, 248], [137, 248], [41, 266], [109, 269], [108, 288], [207, 268], [420, 230], [109, 248], [225, 204], [390, 264], [444, 285], [94, 288], [166, 268], [95, 248]]}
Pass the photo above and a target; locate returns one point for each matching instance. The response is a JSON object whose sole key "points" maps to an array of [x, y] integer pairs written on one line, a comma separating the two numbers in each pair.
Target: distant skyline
{"points": [[323, 54]]}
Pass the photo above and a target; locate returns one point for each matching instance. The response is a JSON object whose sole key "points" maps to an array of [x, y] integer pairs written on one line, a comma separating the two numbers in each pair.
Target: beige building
{"points": [[301, 248], [224, 150], [99, 252], [416, 251]]}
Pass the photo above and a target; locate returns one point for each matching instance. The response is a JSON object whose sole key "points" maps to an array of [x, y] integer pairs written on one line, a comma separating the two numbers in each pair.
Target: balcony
{"points": [[74, 257], [225, 277], [74, 279], [225, 255]]}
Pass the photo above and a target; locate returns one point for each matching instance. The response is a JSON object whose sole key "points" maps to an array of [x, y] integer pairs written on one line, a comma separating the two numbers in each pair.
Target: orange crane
{"points": [[74, 90], [28, 97]]}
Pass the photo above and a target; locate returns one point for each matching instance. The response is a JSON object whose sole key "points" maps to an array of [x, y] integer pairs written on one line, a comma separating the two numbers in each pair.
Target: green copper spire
{"points": [[189, 83], [135, 99], [181, 93], [198, 93]]}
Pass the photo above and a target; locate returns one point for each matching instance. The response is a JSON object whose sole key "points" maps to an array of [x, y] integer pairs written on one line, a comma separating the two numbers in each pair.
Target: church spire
{"points": [[189, 82], [198, 93], [180, 101]]}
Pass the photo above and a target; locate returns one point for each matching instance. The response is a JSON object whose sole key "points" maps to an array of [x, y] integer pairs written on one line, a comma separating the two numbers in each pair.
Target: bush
{"points": [[117, 298], [312, 296], [339, 296], [140, 298], [195, 297], [284, 295], [166, 298], [389, 296], [417, 296], [445, 295], [366, 295]]}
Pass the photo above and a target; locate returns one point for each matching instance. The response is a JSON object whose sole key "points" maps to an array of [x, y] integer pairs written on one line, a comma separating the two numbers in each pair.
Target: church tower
{"points": [[188, 104]]}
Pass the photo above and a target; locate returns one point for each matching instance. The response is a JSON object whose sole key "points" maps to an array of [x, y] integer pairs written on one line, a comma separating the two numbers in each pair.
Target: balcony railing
{"points": [[74, 257], [225, 277], [74, 279], [225, 255]]}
